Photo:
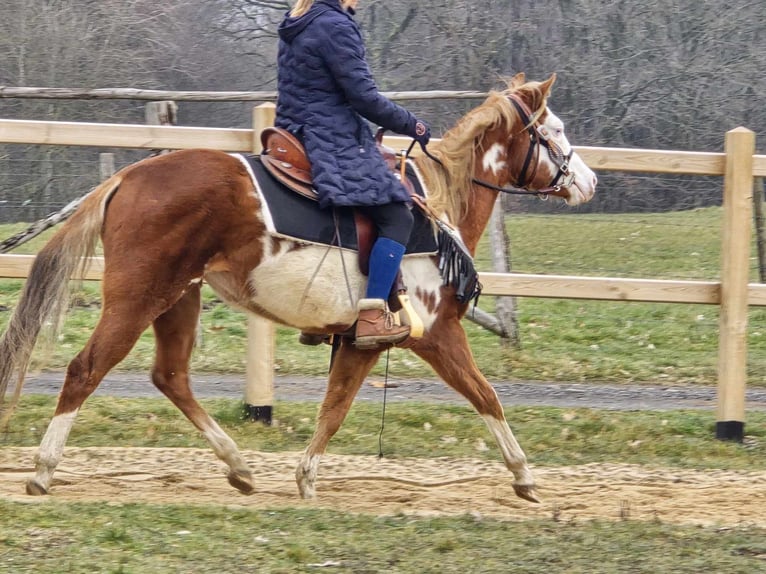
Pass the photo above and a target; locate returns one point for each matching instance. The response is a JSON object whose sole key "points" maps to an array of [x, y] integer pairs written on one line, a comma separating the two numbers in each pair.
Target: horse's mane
{"points": [[450, 183]]}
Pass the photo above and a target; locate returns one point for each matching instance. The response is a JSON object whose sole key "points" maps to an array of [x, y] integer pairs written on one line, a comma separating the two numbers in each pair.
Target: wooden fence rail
{"points": [[159, 95], [738, 165]]}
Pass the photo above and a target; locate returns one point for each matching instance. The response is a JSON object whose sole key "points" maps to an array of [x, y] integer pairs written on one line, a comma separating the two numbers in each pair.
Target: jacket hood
{"points": [[291, 27]]}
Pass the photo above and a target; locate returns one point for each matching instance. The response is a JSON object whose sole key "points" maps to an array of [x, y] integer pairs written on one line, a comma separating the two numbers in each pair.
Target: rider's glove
{"points": [[420, 132]]}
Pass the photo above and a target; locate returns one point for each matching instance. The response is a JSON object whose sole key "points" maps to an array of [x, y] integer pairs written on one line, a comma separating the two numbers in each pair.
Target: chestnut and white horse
{"points": [[169, 222]]}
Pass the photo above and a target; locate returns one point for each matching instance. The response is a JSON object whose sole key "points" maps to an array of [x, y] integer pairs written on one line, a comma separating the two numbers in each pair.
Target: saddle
{"points": [[284, 157]]}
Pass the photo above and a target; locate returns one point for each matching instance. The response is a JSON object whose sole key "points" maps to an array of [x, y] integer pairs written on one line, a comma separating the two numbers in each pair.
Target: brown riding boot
{"points": [[375, 325]]}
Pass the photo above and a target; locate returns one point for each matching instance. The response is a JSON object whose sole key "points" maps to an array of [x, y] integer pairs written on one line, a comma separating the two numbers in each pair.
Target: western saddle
{"points": [[285, 159]]}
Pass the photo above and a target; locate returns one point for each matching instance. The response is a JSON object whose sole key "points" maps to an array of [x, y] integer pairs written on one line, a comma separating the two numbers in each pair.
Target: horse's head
{"points": [[513, 143], [533, 152]]}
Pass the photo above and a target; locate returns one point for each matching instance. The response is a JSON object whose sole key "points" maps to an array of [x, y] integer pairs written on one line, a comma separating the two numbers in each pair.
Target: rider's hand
{"points": [[420, 132]]}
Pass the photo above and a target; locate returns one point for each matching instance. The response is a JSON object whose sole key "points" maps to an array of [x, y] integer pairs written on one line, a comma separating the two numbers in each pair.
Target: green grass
{"points": [[135, 538], [561, 340], [550, 436]]}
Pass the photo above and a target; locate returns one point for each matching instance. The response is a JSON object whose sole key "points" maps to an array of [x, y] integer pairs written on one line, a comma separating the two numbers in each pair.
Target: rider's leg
{"points": [[375, 325]]}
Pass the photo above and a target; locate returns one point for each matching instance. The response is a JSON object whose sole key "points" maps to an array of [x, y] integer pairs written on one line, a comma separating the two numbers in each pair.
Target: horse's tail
{"points": [[45, 296]]}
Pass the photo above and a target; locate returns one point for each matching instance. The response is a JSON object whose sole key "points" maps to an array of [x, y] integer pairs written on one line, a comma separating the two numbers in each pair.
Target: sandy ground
{"points": [[425, 487], [366, 484]]}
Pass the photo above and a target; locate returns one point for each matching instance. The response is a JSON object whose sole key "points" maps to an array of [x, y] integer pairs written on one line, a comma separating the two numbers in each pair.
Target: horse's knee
{"points": [[169, 382], [159, 379]]}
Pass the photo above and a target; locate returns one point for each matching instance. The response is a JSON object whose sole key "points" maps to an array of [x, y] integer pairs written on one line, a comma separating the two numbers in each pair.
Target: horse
{"points": [[169, 222]]}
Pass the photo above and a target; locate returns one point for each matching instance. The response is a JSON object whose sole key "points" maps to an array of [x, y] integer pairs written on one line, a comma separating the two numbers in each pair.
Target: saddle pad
{"points": [[289, 214]]}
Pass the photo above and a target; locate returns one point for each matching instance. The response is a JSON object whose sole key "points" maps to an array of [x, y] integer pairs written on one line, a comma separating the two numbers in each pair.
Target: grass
{"points": [[551, 436], [135, 538], [561, 340]]}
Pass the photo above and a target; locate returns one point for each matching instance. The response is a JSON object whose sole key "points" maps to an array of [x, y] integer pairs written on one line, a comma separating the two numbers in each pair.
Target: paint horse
{"points": [[169, 222]]}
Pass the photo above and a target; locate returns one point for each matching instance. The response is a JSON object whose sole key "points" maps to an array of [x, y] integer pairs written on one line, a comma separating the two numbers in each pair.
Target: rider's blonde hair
{"points": [[302, 6]]}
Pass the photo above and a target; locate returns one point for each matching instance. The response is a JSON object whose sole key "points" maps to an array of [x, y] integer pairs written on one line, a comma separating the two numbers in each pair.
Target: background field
{"points": [[561, 340]]}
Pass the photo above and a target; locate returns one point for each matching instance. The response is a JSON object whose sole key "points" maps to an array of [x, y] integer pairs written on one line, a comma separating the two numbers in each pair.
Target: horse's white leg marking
{"points": [[306, 475], [49, 454], [226, 449], [221, 443], [513, 455], [494, 159]]}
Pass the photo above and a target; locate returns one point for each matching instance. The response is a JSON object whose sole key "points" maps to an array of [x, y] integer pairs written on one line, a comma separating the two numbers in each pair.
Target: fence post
{"points": [[259, 385], [735, 272], [505, 307], [162, 113], [105, 165], [759, 187]]}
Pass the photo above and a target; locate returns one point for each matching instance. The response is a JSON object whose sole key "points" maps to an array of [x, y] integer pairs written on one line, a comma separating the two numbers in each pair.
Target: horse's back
{"points": [[182, 209]]}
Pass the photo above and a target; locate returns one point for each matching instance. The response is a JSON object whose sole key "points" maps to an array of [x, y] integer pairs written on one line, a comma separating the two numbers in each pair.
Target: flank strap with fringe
{"points": [[455, 261]]}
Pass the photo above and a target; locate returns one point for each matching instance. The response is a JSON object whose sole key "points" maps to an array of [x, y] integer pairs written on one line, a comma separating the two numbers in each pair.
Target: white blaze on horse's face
{"points": [[583, 186]]}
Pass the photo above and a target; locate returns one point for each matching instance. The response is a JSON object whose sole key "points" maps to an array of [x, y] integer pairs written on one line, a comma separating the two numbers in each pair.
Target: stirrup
{"points": [[380, 343], [312, 339]]}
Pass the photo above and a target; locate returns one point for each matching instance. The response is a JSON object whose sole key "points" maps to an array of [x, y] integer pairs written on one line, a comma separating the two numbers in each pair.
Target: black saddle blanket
{"points": [[290, 214]]}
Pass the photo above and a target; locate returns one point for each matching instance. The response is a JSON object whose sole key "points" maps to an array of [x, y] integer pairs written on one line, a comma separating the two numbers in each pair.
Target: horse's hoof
{"points": [[526, 491], [306, 487], [242, 481], [34, 488], [307, 493]]}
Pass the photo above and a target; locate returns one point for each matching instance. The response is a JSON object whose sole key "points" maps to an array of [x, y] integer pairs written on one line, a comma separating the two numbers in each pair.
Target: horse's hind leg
{"points": [[117, 331], [175, 331], [446, 349], [350, 367]]}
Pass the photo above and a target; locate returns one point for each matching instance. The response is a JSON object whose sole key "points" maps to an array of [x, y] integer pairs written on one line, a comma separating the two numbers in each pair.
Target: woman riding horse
{"points": [[170, 222], [325, 92]]}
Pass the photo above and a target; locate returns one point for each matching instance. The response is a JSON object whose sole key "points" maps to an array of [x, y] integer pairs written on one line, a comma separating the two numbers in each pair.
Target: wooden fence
{"points": [[738, 165]]}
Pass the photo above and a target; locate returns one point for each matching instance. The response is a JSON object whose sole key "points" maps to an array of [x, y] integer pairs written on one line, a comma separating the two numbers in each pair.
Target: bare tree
{"points": [[672, 75]]}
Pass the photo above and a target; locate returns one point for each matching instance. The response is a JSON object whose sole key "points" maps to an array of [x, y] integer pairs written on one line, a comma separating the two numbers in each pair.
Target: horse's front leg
{"points": [[350, 367], [445, 348]]}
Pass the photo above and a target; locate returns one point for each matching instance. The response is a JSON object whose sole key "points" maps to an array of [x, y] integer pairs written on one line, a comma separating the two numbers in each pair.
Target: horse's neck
{"points": [[475, 221], [480, 201]]}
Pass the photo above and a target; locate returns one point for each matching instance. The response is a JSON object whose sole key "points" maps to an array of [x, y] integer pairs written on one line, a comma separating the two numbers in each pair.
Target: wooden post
{"points": [[163, 114], [760, 226], [259, 386], [735, 271], [105, 165], [505, 307]]}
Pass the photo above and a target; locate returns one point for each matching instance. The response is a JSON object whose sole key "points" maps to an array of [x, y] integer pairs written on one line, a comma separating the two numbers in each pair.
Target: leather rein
{"points": [[538, 137]]}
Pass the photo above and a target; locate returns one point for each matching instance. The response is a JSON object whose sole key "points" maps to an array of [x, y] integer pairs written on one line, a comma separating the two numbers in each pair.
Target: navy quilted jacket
{"points": [[325, 92]]}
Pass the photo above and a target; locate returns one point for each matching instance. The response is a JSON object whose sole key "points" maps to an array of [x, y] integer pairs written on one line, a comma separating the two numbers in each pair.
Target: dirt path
{"points": [[424, 487], [427, 487]]}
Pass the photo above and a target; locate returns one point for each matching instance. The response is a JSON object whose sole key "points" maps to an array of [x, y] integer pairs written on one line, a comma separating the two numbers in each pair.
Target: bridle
{"points": [[538, 137]]}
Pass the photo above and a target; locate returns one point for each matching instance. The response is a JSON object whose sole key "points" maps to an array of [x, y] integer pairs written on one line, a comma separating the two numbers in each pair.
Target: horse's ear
{"points": [[546, 86], [517, 80]]}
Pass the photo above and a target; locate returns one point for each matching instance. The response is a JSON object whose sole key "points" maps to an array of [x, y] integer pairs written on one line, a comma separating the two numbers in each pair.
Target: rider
{"points": [[325, 92]]}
